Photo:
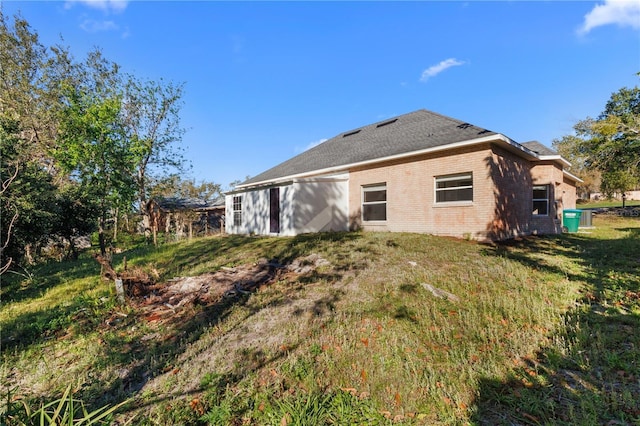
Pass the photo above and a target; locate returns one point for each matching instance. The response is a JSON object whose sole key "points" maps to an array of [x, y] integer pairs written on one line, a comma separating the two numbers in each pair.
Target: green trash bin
{"points": [[571, 219]]}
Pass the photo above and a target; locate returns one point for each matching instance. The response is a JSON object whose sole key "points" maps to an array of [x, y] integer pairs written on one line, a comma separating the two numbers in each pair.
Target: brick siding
{"points": [[502, 194]]}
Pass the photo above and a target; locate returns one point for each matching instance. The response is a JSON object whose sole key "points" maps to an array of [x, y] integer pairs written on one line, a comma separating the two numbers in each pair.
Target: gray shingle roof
{"points": [[539, 148], [179, 204], [403, 134]]}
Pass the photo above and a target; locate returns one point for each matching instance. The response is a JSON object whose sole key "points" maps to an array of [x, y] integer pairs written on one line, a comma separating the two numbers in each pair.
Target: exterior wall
{"points": [[502, 203], [513, 191], [569, 193], [306, 205], [321, 205], [411, 203], [255, 211], [549, 173]]}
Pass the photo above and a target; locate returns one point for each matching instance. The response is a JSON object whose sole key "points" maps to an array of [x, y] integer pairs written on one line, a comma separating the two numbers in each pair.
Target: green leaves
{"points": [[609, 144], [66, 411]]}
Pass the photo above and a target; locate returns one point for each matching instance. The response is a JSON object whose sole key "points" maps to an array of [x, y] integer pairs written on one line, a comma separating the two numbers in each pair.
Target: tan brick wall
{"points": [[569, 195], [549, 173], [502, 194], [512, 188], [411, 194]]}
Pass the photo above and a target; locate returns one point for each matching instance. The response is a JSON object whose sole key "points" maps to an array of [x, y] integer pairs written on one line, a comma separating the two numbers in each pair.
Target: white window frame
{"points": [[237, 210], [371, 188], [547, 189], [450, 178]]}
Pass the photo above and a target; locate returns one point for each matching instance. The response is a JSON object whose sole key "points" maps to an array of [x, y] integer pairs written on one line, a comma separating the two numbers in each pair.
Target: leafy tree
{"points": [[31, 77], [29, 101], [76, 210], [152, 122], [27, 194], [609, 144], [76, 133], [93, 146], [175, 186], [567, 147]]}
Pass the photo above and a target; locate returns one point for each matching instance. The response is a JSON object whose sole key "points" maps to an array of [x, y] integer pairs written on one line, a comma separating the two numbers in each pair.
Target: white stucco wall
{"points": [[321, 204], [306, 205]]}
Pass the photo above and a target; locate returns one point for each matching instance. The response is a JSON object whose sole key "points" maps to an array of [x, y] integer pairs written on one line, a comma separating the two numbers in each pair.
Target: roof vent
{"points": [[351, 133], [387, 122], [464, 126]]}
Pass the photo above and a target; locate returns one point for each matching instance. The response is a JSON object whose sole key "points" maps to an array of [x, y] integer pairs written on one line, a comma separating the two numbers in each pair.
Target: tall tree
{"points": [[610, 144], [175, 186], [569, 147], [93, 145], [152, 121], [30, 77], [27, 195]]}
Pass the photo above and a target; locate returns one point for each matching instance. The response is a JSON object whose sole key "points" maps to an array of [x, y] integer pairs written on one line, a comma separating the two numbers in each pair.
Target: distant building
{"points": [[186, 216]]}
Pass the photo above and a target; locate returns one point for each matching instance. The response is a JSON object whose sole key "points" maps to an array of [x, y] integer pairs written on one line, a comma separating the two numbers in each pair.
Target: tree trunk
{"points": [[115, 225], [101, 237], [144, 208]]}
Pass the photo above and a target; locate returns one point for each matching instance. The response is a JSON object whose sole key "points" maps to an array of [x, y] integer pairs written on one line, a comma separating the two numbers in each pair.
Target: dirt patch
{"points": [[165, 302]]}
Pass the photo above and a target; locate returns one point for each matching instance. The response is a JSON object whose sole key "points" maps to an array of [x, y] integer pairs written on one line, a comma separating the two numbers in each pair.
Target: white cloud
{"points": [[310, 145], [625, 13], [92, 26], [104, 5], [434, 70]]}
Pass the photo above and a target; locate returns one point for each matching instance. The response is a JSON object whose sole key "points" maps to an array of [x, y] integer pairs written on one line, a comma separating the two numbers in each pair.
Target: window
{"points": [[237, 210], [541, 200], [374, 202], [453, 188]]}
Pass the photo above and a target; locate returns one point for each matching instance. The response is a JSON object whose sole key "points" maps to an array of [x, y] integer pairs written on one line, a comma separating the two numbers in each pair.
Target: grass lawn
{"points": [[606, 203], [392, 329]]}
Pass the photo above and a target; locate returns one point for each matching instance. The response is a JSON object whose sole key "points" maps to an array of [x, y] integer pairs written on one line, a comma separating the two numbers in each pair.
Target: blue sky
{"points": [[266, 80]]}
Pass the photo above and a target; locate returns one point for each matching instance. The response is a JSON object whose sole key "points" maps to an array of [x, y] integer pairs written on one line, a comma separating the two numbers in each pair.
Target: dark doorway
{"points": [[274, 210]]}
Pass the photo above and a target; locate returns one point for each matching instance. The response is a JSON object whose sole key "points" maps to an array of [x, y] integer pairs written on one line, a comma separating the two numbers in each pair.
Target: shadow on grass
{"points": [[591, 374], [148, 358], [18, 288]]}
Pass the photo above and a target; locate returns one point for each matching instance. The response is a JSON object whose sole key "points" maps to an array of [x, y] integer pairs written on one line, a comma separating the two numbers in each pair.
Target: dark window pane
{"points": [[454, 195], [454, 183], [540, 193], [540, 207], [374, 212], [373, 196]]}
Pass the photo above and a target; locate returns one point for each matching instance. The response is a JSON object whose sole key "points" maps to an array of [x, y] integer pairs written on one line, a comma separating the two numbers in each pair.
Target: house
{"points": [[418, 172], [181, 216]]}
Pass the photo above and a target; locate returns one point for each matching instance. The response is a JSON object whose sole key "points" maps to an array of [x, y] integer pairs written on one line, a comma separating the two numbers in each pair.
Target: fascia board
{"points": [[557, 158], [572, 176]]}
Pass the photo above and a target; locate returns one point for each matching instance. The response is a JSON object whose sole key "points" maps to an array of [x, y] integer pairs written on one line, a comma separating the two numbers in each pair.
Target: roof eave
{"points": [[557, 158], [572, 176]]}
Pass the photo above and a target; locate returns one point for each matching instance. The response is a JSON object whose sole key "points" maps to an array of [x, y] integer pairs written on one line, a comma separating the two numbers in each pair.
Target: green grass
{"points": [[607, 203], [543, 330]]}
